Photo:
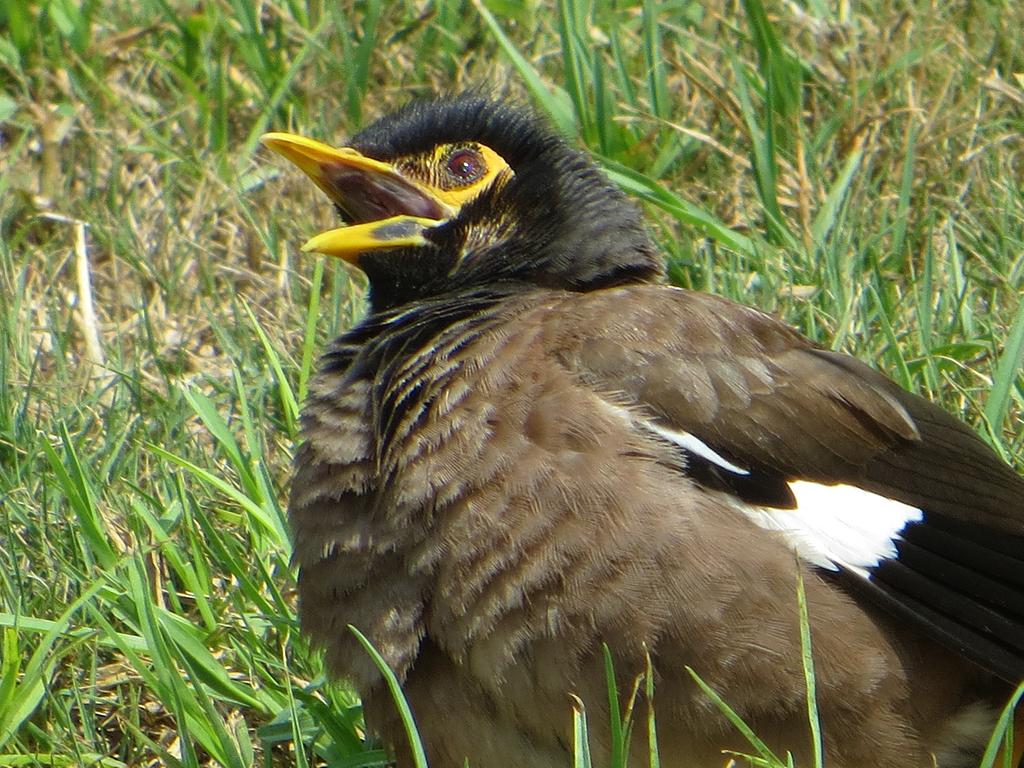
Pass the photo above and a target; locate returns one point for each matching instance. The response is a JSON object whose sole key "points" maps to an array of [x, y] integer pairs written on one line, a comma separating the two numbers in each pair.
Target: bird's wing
{"points": [[866, 480]]}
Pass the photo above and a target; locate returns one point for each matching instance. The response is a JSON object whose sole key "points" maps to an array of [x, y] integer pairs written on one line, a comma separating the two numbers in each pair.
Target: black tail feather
{"points": [[961, 585]]}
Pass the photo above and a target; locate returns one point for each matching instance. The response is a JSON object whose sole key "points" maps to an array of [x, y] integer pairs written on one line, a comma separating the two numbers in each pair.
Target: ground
{"points": [[855, 168]]}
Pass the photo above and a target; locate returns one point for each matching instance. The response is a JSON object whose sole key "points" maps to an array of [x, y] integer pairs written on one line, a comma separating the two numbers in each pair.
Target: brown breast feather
{"points": [[488, 515]]}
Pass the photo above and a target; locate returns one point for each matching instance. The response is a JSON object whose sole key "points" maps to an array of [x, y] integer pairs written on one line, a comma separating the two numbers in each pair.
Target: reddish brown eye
{"points": [[465, 165]]}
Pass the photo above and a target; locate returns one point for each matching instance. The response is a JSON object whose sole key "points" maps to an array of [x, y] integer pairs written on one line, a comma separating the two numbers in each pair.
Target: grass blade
{"points": [[1011, 361], [759, 746], [654, 755], [807, 660], [419, 757], [580, 736], [553, 100], [1001, 742]]}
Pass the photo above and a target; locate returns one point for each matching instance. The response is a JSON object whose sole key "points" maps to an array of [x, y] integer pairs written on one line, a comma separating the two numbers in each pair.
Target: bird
{"points": [[532, 451]]}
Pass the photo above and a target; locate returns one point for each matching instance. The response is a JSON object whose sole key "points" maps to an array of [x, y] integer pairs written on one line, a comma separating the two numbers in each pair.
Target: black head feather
{"points": [[558, 223]]}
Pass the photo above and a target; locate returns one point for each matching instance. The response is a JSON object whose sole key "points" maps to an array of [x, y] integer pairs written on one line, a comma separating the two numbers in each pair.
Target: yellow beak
{"points": [[387, 209]]}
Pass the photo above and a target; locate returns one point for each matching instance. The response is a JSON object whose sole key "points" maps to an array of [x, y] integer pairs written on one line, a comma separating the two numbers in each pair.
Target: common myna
{"points": [[532, 447]]}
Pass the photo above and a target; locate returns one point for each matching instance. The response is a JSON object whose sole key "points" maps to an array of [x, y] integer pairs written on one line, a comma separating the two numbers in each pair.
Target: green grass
{"points": [[857, 172]]}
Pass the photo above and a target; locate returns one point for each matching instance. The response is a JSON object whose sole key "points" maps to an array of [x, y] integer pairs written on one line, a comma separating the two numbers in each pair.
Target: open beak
{"points": [[386, 210]]}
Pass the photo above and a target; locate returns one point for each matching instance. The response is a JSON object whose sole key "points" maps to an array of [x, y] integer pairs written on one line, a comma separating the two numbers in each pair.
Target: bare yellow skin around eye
{"points": [[429, 171]]}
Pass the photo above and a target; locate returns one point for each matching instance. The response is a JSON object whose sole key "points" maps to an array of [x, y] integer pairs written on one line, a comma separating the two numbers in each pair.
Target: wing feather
{"points": [[769, 402]]}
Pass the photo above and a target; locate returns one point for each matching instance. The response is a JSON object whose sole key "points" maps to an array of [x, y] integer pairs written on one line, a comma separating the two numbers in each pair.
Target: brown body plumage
{"points": [[491, 486]]}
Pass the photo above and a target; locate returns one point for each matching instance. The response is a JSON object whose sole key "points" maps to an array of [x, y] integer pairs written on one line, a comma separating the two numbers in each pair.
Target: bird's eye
{"points": [[465, 165]]}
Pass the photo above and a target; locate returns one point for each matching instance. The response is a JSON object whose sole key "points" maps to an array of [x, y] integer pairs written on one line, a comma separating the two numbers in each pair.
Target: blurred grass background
{"points": [[856, 168]]}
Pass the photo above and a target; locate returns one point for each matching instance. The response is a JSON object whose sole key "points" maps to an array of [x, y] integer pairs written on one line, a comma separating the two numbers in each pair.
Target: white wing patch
{"points": [[688, 442], [832, 525], [838, 525]]}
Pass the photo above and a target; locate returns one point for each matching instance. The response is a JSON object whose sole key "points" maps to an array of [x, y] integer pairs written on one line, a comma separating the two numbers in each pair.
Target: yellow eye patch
{"points": [[456, 173]]}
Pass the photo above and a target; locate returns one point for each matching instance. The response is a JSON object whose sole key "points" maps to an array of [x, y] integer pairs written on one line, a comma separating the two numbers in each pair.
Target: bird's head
{"points": [[460, 193]]}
